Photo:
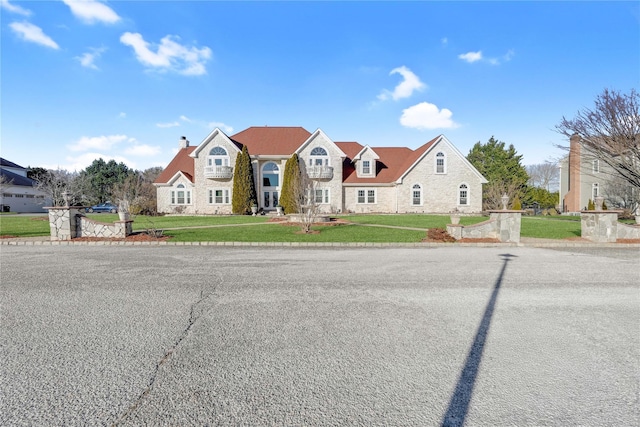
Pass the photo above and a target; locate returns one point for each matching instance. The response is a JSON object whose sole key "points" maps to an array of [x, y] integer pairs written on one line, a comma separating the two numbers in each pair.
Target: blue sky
{"points": [[126, 79]]}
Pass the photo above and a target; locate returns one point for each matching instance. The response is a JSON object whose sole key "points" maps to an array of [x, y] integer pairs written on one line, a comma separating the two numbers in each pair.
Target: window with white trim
{"points": [[318, 157], [595, 190], [416, 195], [180, 196], [218, 157], [596, 166], [366, 196], [321, 195], [441, 162], [366, 167], [463, 194], [219, 196]]}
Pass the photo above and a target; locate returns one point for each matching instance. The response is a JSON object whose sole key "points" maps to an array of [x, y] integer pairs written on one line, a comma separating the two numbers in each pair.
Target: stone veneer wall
{"points": [[501, 225], [603, 226], [66, 223]]}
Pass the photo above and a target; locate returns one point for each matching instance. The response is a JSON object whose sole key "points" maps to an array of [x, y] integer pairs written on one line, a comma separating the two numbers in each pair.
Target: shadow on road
{"points": [[459, 403]]}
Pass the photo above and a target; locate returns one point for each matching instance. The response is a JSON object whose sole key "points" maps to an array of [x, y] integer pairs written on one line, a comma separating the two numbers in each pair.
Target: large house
{"points": [[584, 177], [18, 191], [348, 176]]}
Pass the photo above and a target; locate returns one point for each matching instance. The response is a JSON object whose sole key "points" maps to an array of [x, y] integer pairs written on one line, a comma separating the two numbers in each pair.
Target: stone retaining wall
{"points": [[501, 225], [66, 223], [603, 226]]}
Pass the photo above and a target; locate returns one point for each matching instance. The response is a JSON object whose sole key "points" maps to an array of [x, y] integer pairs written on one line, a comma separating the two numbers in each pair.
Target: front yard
{"points": [[244, 228]]}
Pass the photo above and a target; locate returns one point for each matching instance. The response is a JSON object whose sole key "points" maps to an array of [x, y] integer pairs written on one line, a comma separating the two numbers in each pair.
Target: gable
{"points": [[320, 138], [216, 137]]}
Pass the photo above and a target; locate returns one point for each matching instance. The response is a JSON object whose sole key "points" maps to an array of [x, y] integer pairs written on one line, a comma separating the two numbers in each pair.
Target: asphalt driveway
{"points": [[172, 335]]}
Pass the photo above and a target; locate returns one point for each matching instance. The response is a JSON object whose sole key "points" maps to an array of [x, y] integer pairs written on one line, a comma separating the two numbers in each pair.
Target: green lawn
{"points": [[561, 227]]}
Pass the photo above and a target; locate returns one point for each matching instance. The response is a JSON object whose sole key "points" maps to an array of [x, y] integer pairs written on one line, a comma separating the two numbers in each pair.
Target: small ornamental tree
{"points": [[591, 206], [290, 182], [244, 189], [517, 204]]}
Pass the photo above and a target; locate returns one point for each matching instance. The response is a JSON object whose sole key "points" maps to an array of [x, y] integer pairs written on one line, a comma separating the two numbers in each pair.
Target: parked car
{"points": [[103, 207]]}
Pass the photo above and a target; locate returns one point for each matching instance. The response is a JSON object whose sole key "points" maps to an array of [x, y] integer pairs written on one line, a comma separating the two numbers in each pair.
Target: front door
{"points": [[270, 185]]}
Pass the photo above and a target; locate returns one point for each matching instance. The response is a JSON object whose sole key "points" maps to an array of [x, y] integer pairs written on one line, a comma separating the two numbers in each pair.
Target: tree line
{"points": [[100, 182]]}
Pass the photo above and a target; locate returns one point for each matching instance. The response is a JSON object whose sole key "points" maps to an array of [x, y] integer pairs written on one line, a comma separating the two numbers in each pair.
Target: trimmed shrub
{"points": [[244, 189], [290, 184]]}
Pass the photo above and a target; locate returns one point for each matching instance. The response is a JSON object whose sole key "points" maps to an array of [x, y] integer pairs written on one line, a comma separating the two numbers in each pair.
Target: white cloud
{"points": [[122, 115], [91, 11], [14, 9], [81, 162], [471, 57], [169, 55], [406, 87], [142, 150], [444, 41], [97, 142], [224, 128], [185, 119], [427, 116], [88, 59], [33, 33], [168, 125]]}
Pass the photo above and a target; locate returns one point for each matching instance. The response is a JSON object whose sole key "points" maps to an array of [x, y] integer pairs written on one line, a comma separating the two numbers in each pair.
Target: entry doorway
{"points": [[270, 185]]}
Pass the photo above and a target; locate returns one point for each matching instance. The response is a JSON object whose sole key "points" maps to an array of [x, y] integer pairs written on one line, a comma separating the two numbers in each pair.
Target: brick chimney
{"points": [[572, 198], [184, 142]]}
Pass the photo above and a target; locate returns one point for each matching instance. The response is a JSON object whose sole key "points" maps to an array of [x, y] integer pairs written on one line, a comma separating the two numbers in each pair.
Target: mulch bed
{"points": [[135, 237]]}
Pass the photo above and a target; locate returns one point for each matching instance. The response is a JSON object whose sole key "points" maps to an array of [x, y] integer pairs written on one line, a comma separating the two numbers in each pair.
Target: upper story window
{"points": [[319, 157], [218, 157], [416, 195], [270, 175], [595, 190], [180, 196], [463, 194], [366, 167], [596, 166], [441, 163]]}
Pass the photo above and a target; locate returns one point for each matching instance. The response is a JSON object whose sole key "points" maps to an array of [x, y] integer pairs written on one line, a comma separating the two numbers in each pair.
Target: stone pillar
{"points": [[508, 225], [62, 222], [599, 226]]}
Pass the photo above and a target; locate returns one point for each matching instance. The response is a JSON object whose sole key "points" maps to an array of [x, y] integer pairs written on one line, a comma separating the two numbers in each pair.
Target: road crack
{"points": [[193, 318]]}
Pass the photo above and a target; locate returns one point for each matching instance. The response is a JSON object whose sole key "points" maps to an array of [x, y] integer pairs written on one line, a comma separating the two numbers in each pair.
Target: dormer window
{"points": [[319, 157], [441, 163], [218, 157]]}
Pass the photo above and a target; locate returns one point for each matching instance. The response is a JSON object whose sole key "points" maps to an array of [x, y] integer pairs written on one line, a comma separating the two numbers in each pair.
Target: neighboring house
{"points": [[18, 192], [348, 176], [583, 177]]}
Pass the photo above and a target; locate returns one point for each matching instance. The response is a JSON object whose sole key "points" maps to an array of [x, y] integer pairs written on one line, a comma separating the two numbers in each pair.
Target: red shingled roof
{"points": [[270, 140], [180, 163], [393, 162]]}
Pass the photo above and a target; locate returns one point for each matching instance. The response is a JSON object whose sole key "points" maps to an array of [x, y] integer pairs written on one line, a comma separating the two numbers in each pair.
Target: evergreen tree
{"points": [[290, 182], [244, 189], [503, 169]]}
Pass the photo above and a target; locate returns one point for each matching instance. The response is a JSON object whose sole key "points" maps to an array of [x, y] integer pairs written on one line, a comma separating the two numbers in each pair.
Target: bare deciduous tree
{"points": [[304, 194], [544, 175], [621, 195], [55, 182], [610, 132]]}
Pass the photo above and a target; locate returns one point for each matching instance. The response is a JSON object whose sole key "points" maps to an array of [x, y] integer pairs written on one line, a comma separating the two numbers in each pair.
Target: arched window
{"points": [[181, 196], [441, 162], [463, 194], [270, 175], [318, 157], [416, 195], [218, 157]]}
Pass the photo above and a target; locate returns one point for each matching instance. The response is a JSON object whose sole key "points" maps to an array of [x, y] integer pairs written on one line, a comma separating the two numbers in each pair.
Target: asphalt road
{"points": [[178, 336]]}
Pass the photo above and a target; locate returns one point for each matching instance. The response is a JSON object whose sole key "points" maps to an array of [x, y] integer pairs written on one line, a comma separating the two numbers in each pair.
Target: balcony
{"points": [[320, 172], [218, 172]]}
